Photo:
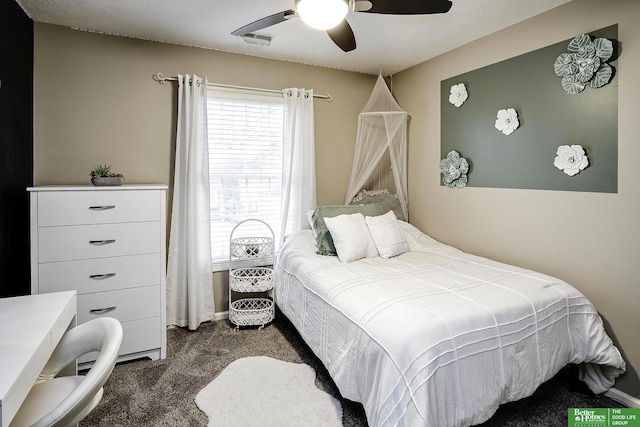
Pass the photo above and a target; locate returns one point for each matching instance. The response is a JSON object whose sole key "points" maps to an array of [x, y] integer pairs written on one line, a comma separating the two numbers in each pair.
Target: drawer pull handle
{"points": [[101, 310], [102, 242], [102, 208], [101, 276]]}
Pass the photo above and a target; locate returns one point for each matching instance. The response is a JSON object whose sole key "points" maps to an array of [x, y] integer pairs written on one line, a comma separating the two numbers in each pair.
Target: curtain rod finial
{"points": [[159, 78]]}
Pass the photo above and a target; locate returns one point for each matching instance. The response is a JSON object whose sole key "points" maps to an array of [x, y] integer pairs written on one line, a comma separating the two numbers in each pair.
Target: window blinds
{"points": [[245, 164]]}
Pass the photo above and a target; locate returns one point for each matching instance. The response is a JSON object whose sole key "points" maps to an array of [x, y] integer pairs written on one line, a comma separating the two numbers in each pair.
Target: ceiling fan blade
{"points": [[342, 35], [409, 7], [268, 21]]}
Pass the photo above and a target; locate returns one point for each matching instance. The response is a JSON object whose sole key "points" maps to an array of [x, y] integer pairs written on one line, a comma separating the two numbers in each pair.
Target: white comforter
{"points": [[437, 337]]}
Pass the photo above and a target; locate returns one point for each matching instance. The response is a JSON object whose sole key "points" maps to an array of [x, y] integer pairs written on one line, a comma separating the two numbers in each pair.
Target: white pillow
{"points": [[351, 237], [387, 235]]}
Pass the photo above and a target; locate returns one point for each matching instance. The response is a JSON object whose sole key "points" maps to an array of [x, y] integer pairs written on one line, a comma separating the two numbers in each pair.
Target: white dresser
{"points": [[108, 244]]}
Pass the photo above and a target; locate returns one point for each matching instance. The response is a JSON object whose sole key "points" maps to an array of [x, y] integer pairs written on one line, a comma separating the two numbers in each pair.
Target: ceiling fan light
{"points": [[322, 14]]}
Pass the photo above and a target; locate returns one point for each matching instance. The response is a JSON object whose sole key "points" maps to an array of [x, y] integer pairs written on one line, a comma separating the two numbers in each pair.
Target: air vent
{"points": [[260, 39]]}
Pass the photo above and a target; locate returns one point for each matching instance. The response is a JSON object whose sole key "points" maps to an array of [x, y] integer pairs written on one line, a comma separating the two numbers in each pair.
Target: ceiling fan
{"points": [[329, 15]]}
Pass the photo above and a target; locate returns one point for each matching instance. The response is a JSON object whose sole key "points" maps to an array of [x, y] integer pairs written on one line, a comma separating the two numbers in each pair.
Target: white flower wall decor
{"points": [[584, 63], [507, 121], [454, 170], [571, 159], [458, 94]]}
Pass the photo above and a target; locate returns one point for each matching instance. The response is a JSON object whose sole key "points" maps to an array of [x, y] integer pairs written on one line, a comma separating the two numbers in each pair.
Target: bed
{"points": [[435, 336]]}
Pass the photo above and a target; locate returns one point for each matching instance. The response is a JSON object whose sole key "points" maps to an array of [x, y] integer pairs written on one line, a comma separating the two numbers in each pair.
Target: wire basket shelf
{"points": [[251, 312], [254, 279], [250, 258], [251, 247]]}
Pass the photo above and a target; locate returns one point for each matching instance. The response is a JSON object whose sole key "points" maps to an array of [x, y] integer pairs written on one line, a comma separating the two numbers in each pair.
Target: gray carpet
{"points": [[162, 392]]}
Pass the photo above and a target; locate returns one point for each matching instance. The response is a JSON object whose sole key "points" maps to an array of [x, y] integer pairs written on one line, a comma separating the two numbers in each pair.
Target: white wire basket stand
{"points": [[248, 256]]}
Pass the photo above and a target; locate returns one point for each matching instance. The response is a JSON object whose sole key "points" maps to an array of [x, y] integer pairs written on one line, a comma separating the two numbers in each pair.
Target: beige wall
{"points": [[590, 240], [96, 102]]}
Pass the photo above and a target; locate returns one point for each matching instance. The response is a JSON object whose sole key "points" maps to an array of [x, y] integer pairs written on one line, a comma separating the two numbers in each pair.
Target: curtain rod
{"points": [[161, 79]]}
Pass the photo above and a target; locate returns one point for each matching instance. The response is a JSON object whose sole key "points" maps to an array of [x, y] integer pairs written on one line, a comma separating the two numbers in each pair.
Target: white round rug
{"points": [[262, 391]]}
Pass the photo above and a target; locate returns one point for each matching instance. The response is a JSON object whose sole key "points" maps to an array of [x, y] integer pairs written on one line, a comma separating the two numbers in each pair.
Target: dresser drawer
{"points": [[137, 336], [124, 305], [97, 207], [102, 274], [97, 241]]}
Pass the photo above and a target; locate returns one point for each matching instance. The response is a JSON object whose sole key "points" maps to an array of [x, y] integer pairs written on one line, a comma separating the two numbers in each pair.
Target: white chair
{"points": [[65, 400]]}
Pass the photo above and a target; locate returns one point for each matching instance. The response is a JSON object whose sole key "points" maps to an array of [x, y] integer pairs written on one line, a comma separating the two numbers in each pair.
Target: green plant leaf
{"points": [[103, 170]]}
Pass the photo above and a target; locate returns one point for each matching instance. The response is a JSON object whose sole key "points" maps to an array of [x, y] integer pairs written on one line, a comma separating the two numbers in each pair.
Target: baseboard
{"points": [[622, 397], [223, 315]]}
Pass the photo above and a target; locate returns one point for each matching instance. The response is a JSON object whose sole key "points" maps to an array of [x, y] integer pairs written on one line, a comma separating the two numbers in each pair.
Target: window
{"points": [[245, 163]]}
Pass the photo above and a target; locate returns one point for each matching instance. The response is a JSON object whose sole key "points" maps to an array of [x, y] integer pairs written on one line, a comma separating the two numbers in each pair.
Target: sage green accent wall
{"points": [[548, 116], [589, 239]]}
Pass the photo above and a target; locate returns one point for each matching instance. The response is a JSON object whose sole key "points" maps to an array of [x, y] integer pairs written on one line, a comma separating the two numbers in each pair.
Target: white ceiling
{"points": [[385, 43]]}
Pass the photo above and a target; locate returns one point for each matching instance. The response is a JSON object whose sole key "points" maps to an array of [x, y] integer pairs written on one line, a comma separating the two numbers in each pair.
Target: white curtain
{"points": [[298, 161], [189, 274]]}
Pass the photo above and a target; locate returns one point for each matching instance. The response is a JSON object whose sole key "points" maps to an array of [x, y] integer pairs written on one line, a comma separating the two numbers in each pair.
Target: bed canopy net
{"points": [[382, 134]]}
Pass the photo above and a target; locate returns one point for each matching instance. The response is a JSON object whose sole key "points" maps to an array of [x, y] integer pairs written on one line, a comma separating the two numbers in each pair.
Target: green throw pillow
{"points": [[324, 242]]}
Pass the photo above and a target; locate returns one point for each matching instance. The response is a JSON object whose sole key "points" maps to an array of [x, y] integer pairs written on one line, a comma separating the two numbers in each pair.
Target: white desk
{"points": [[30, 328]]}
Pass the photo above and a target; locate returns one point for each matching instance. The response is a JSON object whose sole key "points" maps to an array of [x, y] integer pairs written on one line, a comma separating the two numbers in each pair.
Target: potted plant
{"points": [[102, 175]]}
